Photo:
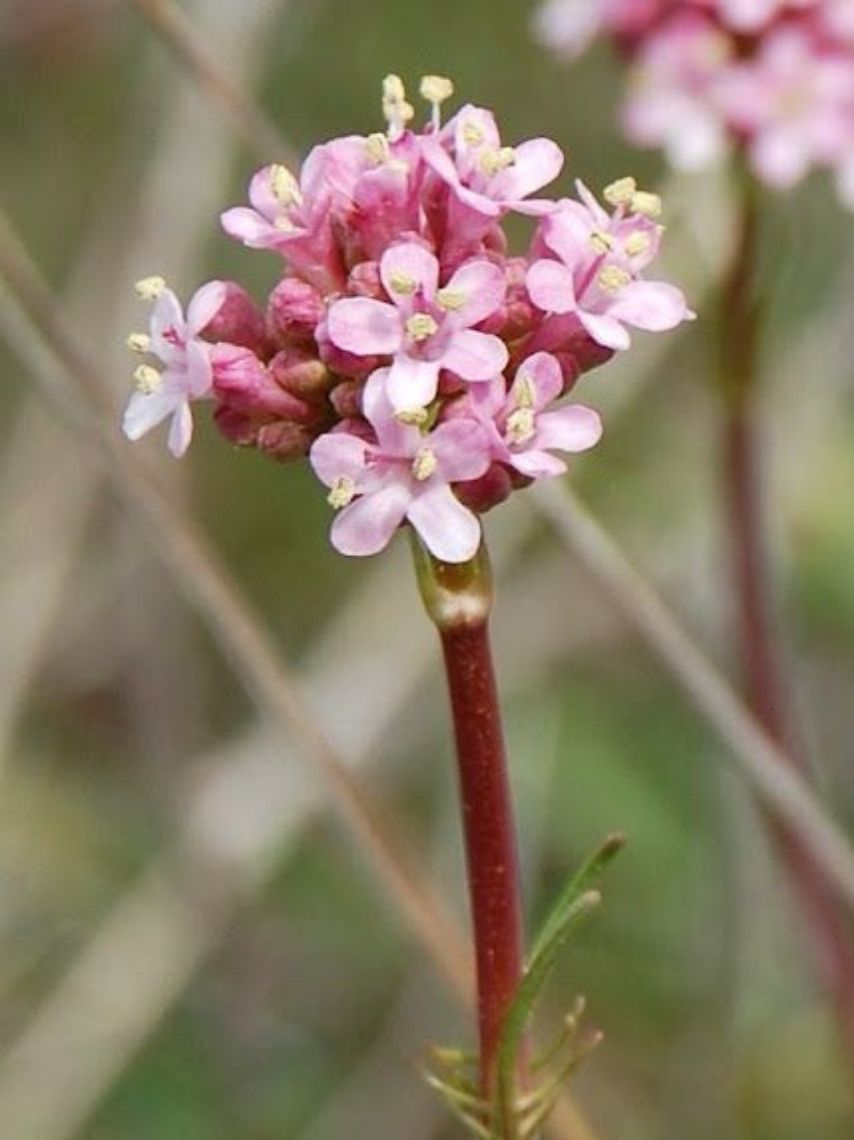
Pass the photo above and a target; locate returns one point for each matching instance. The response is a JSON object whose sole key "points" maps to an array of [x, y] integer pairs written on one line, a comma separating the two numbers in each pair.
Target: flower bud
{"points": [[284, 441], [243, 383], [486, 492], [365, 281], [294, 311], [299, 372], [238, 321], [346, 399]]}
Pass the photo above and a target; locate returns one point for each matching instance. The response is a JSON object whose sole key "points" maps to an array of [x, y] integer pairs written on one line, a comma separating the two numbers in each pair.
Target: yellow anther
{"points": [[377, 147], [424, 464], [148, 379], [393, 89], [436, 89], [341, 492], [520, 425], [637, 243], [420, 326], [403, 283], [451, 299], [612, 278], [139, 342], [284, 186], [601, 242], [149, 288], [414, 417], [284, 223], [494, 161], [472, 134], [621, 192], [649, 205], [525, 394]]}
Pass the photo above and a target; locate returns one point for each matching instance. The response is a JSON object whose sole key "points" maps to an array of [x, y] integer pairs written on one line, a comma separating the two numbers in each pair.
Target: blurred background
{"points": [[287, 999]]}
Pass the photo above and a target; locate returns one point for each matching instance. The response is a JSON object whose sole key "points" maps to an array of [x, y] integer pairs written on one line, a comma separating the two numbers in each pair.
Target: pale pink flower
{"points": [[569, 26], [186, 375], [401, 474], [522, 432], [424, 328], [596, 265]]}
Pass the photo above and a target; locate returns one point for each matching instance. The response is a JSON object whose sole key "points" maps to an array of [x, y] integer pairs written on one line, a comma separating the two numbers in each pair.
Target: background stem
{"points": [[761, 660]]}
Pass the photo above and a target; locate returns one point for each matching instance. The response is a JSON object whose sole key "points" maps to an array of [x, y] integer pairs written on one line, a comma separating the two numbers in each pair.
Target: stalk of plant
{"points": [[762, 667], [422, 368], [458, 600]]}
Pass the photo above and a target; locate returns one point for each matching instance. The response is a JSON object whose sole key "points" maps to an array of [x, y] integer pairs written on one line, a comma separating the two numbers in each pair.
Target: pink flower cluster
{"points": [[774, 78], [404, 350]]}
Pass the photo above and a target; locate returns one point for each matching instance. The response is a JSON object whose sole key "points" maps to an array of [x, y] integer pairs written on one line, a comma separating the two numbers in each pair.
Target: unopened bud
{"points": [[238, 321], [294, 311]]}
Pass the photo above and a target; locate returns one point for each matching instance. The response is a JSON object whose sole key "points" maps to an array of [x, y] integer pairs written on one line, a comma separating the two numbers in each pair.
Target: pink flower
{"points": [[598, 259], [486, 177], [521, 432], [569, 26], [403, 474], [186, 375], [424, 328]]}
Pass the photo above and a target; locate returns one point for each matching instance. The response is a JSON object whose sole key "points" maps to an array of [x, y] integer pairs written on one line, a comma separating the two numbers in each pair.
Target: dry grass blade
{"points": [[769, 771], [176, 30]]}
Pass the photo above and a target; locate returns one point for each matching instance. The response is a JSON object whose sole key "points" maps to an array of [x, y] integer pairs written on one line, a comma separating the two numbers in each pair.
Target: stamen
{"points": [[601, 242], [451, 299], [421, 326], [284, 186], [521, 425], [403, 283], [472, 134], [621, 192], [524, 392], [284, 223], [649, 205], [139, 342], [149, 288], [637, 243], [436, 89], [414, 417], [148, 379], [396, 111], [341, 492], [492, 162], [424, 464], [612, 278], [377, 147]]}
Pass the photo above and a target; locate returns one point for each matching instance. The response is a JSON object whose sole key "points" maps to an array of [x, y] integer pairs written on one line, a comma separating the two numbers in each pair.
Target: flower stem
{"points": [[458, 599], [763, 673]]}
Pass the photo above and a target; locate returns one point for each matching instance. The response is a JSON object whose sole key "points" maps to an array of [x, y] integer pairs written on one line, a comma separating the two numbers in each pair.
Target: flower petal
{"points": [[572, 428], [181, 430], [551, 286], [475, 355], [652, 305], [412, 383], [537, 162], [605, 329], [363, 326], [204, 305], [484, 286], [462, 449], [366, 526], [147, 410], [537, 464], [412, 261], [544, 373], [450, 531], [337, 455], [249, 227]]}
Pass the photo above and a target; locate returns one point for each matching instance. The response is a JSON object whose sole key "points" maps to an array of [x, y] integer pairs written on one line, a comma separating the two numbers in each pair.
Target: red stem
{"points": [[764, 681], [458, 599], [490, 841]]}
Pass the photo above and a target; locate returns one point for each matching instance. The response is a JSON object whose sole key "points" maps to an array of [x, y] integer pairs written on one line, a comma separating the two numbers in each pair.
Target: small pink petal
{"points": [[572, 428], [366, 526], [544, 373], [449, 530], [145, 411], [198, 371], [461, 448], [485, 286], [605, 330], [537, 162], [537, 464], [475, 356], [337, 455], [204, 306], [261, 193], [652, 305], [363, 326], [167, 323], [181, 430], [412, 383], [409, 260], [249, 227], [551, 286]]}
